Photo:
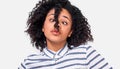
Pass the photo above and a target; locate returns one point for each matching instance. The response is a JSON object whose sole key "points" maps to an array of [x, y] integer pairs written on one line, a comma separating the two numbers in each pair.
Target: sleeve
{"points": [[95, 60], [22, 65]]}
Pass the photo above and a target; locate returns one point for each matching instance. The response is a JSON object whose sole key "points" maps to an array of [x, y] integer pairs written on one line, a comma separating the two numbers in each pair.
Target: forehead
{"points": [[63, 12]]}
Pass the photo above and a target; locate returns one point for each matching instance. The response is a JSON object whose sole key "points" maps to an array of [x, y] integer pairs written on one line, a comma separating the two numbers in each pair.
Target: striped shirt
{"points": [[81, 57]]}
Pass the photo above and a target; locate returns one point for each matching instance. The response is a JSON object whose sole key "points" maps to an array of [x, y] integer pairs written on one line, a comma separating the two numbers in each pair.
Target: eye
{"points": [[64, 22], [52, 20]]}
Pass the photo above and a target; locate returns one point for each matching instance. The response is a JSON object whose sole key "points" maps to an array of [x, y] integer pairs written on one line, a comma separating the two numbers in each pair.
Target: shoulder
{"points": [[83, 47], [35, 55], [30, 59], [86, 49]]}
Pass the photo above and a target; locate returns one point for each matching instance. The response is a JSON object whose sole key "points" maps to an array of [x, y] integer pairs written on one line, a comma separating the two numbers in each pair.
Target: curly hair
{"points": [[81, 29]]}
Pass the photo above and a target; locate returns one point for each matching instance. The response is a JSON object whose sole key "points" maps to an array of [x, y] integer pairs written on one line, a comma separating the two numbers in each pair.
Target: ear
{"points": [[42, 29], [70, 33]]}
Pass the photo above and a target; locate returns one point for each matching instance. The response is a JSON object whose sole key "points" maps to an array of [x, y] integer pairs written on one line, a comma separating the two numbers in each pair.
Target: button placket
{"points": [[56, 57]]}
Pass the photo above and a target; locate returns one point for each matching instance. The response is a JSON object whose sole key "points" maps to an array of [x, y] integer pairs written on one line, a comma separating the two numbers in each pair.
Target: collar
{"points": [[58, 54]]}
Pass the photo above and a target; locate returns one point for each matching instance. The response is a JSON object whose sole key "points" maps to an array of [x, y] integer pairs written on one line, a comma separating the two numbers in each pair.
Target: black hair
{"points": [[81, 29]]}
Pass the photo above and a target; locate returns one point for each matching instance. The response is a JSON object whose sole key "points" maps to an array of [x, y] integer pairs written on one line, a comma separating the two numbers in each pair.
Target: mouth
{"points": [[55, 32]]}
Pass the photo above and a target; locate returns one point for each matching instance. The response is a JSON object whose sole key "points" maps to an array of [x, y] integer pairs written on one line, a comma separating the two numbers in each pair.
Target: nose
{"points": [[57, 26]]}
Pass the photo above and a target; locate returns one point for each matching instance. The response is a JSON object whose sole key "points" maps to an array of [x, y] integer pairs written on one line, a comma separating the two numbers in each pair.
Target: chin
{"points": [[56, 40]]}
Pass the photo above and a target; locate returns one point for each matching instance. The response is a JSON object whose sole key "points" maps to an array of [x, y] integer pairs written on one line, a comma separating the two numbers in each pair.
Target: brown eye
{"points": [[52, 20], [65, 23]]}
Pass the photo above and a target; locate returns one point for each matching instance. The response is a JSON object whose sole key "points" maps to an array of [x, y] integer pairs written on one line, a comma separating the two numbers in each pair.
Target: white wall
{"points": [[103, 16]]}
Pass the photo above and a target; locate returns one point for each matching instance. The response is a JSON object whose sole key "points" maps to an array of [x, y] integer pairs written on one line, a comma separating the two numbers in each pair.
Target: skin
{"points": [[57, 39]]}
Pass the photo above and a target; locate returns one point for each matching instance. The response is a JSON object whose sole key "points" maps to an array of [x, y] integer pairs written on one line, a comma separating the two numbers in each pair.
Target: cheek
{"points": [[47, 26], [66, 31]]}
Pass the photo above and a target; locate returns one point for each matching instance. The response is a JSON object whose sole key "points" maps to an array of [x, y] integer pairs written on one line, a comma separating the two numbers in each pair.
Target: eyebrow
{"points": [[63, 16], [67, 18], [51, 14]]}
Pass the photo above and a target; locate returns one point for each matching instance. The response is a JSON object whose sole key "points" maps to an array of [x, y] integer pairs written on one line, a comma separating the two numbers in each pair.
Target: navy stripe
{"points": [[30, 63], [61, 50], [74, 53], [88, 47], [61, 62], [38, 61], [80, 47], [50, 52], [111, 68], [62, 56], [91, 53], [103, 66], [42, 66], [23, 66], [71, 60], [70, 65], [47, 55], [93, 59], [32, 55], [97, 63]]}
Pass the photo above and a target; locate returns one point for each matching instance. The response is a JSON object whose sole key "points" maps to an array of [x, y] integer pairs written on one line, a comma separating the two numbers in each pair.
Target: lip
{"points": [[55, 32]]}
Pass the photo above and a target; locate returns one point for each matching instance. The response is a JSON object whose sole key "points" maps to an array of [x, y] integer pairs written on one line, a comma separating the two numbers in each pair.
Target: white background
{"points": [[103, 16]]}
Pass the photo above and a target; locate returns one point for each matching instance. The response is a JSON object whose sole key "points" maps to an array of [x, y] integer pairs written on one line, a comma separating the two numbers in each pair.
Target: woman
{"points": [[60, 31]]}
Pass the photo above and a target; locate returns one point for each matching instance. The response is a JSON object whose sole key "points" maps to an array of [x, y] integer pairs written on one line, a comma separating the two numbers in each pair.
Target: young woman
{"points": [[60, 31]]}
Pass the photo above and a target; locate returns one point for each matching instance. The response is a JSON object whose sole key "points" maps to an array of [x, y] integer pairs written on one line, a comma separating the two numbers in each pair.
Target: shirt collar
{"points": [[58, 54]]}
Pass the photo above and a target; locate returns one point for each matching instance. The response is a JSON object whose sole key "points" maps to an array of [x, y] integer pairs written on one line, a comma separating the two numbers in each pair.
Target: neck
{"points": [[55, 46]]}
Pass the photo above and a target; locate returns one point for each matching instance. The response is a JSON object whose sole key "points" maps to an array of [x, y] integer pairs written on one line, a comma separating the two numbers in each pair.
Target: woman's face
{"points": [[65, 23]]}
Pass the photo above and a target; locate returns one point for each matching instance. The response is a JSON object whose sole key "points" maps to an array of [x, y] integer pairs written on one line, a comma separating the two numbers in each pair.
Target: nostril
{"points": [[56, 25]]}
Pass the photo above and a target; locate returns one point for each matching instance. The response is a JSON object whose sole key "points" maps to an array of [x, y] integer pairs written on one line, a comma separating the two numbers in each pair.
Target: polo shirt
{"points": [[81, 57]]}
